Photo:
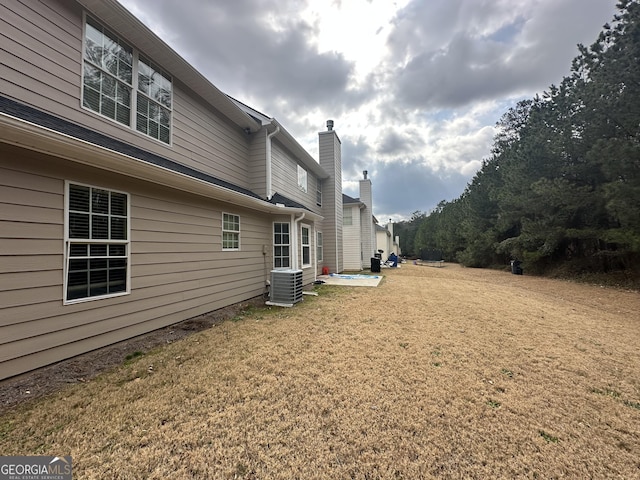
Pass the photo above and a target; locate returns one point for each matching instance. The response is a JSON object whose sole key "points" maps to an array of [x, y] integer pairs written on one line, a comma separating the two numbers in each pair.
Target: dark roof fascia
{"points": [[252, 112], [285, 202], [46, 120], [284, 138], [279, 199], [291, 144]]}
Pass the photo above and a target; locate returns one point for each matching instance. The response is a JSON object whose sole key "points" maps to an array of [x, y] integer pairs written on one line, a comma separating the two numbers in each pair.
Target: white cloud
{"points": [[415, 87], [449, 53], [357, 28]]}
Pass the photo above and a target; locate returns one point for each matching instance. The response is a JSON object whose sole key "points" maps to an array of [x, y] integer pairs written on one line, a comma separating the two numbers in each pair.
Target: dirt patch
{"points": [[437, 373], [47, 380]]}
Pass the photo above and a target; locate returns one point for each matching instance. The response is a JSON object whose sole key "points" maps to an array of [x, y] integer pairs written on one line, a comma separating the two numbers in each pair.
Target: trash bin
{"points": [[375, 264]]}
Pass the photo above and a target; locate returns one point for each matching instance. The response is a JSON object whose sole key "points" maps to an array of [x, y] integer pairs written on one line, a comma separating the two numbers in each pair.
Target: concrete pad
{"points": [[351, 280]]}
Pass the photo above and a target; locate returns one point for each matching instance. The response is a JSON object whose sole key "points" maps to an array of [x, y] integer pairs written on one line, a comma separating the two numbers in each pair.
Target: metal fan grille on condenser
{"points": [[286, 286]]}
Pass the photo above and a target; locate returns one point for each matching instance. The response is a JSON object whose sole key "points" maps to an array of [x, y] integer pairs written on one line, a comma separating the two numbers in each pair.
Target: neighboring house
{"points": [[384, 243], [359, 235], [385, 240], [133, 193], [352, 233]]}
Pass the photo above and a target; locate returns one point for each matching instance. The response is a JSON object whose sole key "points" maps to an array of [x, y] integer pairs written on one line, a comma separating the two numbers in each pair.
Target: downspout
{"points": [[314, 253], [268, 155], [294, 237]]}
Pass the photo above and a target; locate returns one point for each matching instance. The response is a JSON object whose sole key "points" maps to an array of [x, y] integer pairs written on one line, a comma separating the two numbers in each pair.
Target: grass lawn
{"points": [[437, 373]]}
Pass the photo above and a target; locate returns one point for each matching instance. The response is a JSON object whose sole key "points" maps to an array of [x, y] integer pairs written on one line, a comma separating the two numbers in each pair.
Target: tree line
{"points": [[562, 183]]}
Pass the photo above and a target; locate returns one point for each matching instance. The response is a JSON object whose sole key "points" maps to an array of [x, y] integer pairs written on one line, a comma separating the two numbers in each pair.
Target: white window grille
{"points": [[281, 245], [97, 243], [230, 232], [112, 71]]}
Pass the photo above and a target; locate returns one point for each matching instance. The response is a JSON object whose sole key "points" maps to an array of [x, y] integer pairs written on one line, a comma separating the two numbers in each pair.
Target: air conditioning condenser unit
{"points": [[286, 287]]}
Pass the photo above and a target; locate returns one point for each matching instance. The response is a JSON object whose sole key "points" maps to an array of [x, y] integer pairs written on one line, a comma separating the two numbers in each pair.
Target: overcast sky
{"points": [[415, 87]]}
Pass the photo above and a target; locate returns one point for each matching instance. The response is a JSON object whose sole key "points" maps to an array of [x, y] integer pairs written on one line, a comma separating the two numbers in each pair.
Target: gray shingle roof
{"points": [[287, 202], [348, 199]]}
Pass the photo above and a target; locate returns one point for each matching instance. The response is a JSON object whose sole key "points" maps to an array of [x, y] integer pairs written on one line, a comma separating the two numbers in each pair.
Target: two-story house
{"points": [[133, 193], [359, 234], [385, 240]]}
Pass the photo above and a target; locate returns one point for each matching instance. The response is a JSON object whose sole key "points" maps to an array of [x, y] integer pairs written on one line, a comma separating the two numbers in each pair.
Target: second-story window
{"points": [[153, 110], [302, 179], [108, 73], [319, 193], [112, 71], [347, 217]]}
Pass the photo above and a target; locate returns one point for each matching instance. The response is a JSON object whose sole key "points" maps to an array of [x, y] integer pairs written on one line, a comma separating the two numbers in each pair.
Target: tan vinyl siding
{"points": [[257, 163], [178, 268], [330, 160], [41, 63], [204, 141], [40, 54], [31, 222], [285, 178]]}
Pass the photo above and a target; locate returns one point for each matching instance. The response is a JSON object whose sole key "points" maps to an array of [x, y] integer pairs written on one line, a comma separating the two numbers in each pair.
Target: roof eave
{"points": [[291, 144], [18, 132], [285, 138]]}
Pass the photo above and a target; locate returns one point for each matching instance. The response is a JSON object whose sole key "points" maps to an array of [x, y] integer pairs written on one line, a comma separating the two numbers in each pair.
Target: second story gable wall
{"points": [[41, 64], [285, 178], [204, 141], [257, 163]]}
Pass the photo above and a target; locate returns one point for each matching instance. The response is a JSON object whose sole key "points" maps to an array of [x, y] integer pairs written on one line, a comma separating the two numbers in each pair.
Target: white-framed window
{"points": [[120, 83], [230, 231], [302, 179], [97, 223], [347, 216], [153, 101], [319, 192], [305, 241], [319, 249], [107, 73], [281, 245]]}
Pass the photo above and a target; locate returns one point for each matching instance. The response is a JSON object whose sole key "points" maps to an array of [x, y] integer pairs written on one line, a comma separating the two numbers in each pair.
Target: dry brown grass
{"points": [[437, 373]]}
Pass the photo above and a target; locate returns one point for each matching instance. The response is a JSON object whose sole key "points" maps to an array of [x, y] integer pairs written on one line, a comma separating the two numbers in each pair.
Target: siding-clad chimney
{"points": [[366, 215], [330, 153]]}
